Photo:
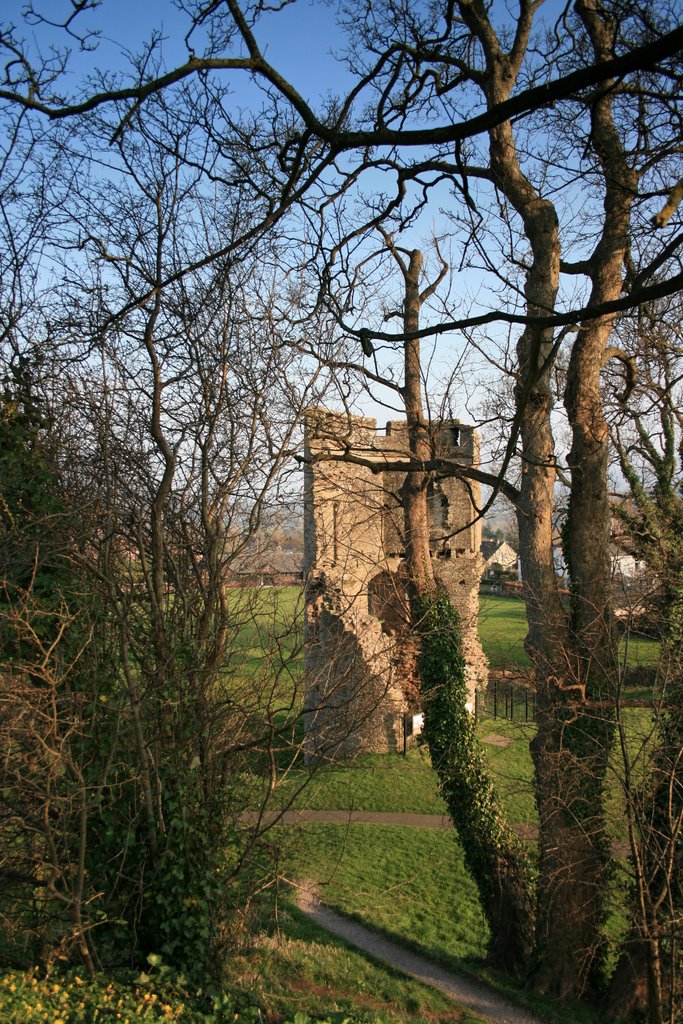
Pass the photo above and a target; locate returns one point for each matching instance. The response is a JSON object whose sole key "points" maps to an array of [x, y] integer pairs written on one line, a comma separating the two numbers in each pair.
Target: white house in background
{"points": [[498, 555], [625, 567]]}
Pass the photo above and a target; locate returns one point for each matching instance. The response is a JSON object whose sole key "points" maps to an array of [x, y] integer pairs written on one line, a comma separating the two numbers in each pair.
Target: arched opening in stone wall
{"points": [[388, 603]]}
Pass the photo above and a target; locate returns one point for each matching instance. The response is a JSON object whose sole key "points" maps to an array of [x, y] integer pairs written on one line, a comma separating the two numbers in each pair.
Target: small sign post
{"points": [[413, 724]]}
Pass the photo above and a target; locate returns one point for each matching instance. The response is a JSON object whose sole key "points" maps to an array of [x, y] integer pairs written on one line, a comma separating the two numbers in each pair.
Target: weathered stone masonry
{"points": [[360, 659]]}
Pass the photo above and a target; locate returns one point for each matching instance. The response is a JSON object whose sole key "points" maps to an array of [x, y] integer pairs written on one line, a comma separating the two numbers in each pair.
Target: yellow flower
{"points": [[168, 1010], [77, 980], [55, 989]]}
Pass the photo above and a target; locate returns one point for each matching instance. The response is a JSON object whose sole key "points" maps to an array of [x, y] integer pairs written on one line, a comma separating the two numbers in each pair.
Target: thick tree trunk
{"points": [[569, 775], [588, 530], [577, 818], [493, 853], [566, 923]]}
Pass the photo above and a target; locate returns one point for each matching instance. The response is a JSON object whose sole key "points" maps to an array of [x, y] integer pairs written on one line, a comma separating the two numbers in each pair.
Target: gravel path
{"points": [[469, 993]]}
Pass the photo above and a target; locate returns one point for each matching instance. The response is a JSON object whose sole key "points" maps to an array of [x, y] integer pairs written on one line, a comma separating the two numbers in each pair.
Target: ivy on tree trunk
{"points": [[493, 854]]}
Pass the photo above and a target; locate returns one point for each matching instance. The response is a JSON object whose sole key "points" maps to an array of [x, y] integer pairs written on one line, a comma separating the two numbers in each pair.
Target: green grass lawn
{"points": [[268, 625], [502, 628], [412, 883], [393, 783], [409, 883], [369, 782], [390, 782], [404, 881], [299, 967]]}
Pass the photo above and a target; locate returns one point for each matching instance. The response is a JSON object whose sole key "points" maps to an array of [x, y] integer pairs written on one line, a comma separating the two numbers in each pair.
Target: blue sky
{"points": [[298, 40]]}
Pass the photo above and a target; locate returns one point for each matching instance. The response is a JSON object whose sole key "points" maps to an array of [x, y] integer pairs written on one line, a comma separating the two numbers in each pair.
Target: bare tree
{"points": [[427, 85], [492, 851], [645, 422], [130, 711]]}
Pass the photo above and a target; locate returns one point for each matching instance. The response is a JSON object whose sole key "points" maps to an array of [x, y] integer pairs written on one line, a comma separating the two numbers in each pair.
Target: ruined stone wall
{"points": [[360, 659]]}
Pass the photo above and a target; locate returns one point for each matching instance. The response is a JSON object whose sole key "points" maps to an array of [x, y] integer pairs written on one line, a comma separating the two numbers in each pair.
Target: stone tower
{"points": [[359, 658]]}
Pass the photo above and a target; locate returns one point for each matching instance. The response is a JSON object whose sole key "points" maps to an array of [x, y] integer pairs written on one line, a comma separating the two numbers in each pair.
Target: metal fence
{"points": [[502, 699]]}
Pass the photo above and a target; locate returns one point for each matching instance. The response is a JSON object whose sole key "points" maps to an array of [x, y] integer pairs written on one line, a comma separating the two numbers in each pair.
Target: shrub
{"points": [[73, 998]]}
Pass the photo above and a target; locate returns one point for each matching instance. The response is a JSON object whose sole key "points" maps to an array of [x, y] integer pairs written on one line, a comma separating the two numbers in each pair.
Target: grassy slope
{"points": [[304, 968], [400, 880], [389, 782], [409, 883]]}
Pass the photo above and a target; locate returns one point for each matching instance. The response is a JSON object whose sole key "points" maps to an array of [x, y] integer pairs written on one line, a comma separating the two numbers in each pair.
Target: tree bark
{"points": [[576, 855], [415, 510], [572, 856], [644, 984], [493, 854]]}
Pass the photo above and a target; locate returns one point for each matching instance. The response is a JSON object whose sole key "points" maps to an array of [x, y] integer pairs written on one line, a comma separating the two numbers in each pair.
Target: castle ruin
{"points": [[360, 659]]}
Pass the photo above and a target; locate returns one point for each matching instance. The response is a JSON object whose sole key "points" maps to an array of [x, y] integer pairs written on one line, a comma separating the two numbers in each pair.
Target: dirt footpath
{"points": [[406, 819], [468, 993]]}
